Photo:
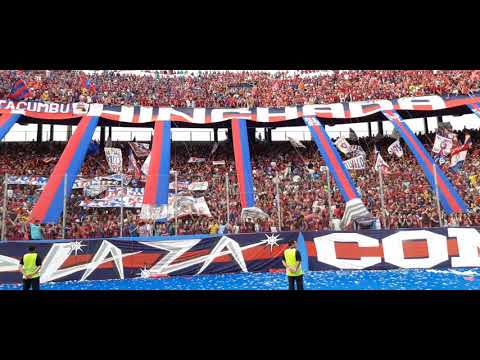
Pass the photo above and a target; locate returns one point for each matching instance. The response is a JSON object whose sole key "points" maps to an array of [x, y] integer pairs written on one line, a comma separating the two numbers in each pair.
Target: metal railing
{"points": [[177, 135], [118, 204]]}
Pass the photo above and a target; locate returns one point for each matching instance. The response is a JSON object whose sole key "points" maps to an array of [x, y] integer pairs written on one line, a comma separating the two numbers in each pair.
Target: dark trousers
{"points": [[31, 283], [295, 279]]}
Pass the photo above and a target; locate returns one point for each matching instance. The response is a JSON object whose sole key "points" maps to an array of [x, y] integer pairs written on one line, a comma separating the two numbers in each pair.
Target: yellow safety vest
{"points": [[29, 265], [292, 261]]}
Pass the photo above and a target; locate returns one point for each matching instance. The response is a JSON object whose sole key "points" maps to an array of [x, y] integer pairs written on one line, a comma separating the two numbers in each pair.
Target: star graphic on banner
{"points": [[144, 273], [75, 246], [271, 240]]}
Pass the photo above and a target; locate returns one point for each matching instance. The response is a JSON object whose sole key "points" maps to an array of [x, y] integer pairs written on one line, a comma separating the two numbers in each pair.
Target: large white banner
{"points": [[181, 185], [89, 185], [195, 160], [143, 114], [357, 163], [179, 206], [114, 159], [115, 197], [198, 186], [253, 213], [27, 180]]}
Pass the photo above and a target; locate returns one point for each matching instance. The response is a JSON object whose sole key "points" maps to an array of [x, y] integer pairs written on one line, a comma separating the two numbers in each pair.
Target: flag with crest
{"points": [[395, 148], [343, 145]]}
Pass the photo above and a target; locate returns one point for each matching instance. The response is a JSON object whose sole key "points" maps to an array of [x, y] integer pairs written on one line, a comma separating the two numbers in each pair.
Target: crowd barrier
{"points": [[152, 257]]}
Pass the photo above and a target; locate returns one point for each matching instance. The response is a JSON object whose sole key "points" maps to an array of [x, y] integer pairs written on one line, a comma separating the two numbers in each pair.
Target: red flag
{"points": [[93, 89], [83, 80]]}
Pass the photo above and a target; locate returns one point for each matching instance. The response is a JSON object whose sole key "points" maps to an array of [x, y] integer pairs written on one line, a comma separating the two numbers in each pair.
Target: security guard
{"points": [[292, 261], [30, 265]]}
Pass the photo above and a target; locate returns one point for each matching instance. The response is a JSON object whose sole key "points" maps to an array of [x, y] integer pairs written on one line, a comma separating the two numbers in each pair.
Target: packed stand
{"points": [[227, 89], [409, 200]]}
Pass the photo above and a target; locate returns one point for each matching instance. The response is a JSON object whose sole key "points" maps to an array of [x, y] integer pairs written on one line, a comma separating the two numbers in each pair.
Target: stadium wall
{"points": [[120, 258]]}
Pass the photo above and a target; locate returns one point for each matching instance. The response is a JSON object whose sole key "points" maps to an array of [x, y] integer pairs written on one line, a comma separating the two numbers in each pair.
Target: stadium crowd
{"points": [[409, 201], [238, 89]]}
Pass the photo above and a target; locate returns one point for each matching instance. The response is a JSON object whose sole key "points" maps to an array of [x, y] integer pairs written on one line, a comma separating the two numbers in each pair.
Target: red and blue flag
{"points": [[50, 204], [475, 108], [19, 90], [87, 84], [158, 178], [7, 120], [332, 159], [243, 164]]}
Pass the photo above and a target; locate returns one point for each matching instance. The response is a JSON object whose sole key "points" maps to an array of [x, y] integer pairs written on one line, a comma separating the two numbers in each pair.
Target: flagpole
{"points": [[121, 208], [329, 200], [278, 201], [382, 198], [5, 199], [436, 195], [64, 222], [228, 197], [175, 203]]}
